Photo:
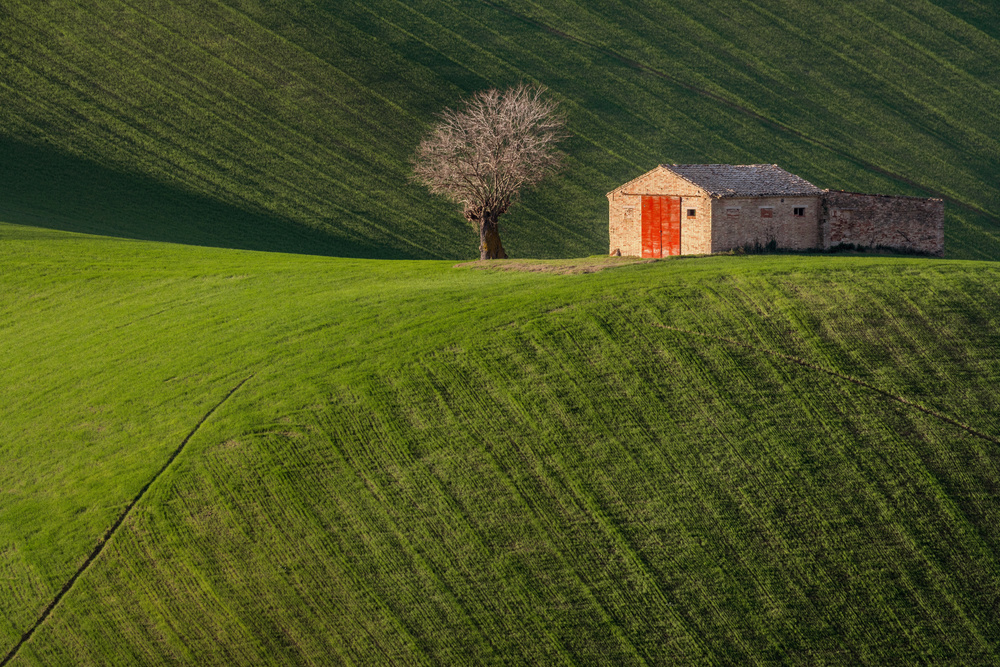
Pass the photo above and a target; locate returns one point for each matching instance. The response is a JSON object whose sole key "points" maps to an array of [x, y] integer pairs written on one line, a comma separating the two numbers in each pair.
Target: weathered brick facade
{"points": [[752, 225], [626, 204], [726, 207], [871, 221]]}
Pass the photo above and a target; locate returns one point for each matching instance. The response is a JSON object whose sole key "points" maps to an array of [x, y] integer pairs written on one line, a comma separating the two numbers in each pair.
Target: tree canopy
{"points": [[483, 155]]}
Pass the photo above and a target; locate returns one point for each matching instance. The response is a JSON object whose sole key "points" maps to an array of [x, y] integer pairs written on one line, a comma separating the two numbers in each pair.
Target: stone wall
{"points": [[749, 221], [625, 213], [696, 230], [869, 221], [729, 223], [624, 230]]}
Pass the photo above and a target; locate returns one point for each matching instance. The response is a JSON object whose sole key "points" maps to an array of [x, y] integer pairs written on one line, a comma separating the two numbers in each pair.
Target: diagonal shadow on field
{"points": [[44, 187], [842, 376], [110, 532]]}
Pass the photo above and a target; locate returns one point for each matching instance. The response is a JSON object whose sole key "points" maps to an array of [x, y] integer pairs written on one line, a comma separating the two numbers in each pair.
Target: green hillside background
{"points": [[340, 451], [289, 126]]}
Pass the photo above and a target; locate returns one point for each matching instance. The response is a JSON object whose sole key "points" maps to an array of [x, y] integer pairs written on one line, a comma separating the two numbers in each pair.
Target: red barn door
{"points": [[661, 226], [651, 241], [671, 226]]}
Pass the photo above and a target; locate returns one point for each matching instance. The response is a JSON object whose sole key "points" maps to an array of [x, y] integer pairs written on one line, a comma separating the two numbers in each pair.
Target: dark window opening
{"points": [[799, 211], [691, 212]]}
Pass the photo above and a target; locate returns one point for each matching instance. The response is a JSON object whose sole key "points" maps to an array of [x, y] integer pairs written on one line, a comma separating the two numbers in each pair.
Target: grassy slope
{"points": [[383, 485], [299, 117], [432, 464]]}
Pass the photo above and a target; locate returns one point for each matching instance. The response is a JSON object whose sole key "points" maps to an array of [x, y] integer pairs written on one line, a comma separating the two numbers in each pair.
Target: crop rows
{"points": [[307, 116], [576, 483], [721, 523]]}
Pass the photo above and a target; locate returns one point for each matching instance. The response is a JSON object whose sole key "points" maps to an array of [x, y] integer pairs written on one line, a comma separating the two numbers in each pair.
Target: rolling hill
{"points": [[728, 459], [246, 418], [289, 126]]}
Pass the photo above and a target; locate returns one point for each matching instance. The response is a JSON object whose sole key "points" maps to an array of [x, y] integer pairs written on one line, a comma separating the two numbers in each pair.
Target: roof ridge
{"points": [[735, 180], [702, 187], [752, 180]]}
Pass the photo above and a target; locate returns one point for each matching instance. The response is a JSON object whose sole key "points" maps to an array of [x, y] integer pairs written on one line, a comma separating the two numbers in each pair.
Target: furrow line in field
{"points": [[775, 124], [632, 91], [706, 370], [290, 505], [334, 432], [433, 567], [308, 54], [201, 90], [486, 402], [870, 473], [749, 505], [887, 50], [99, 125], [394, 426], [906, 349], [842, 376], [861, 480], [695, 34], [885, 53], [879, 119], [172, 132], [224, 60], [520, 46], [211, 92], [671, 457], [434, 377], [110, 532], [550, 523], [871, 470], [349, 436], [63, 73], [584, 498]]}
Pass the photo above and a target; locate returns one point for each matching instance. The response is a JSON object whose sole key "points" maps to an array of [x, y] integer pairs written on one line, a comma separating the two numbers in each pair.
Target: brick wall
{"points": [[625, 213], [696, 231], [904, 223], [624, 231], [828, 220], [737, 222]]}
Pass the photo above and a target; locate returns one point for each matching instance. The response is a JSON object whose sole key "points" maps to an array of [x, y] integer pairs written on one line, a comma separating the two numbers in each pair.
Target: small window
{"points": [[799, 211], [766, 212], [732, 212], [692, 212]]}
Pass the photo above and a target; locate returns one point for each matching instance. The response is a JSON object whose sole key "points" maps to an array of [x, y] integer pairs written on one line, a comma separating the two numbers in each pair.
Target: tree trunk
{"points": [[490, 246]]}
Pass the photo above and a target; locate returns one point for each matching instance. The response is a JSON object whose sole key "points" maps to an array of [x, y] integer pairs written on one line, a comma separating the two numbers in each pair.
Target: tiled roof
{"points": [[743, 180]]}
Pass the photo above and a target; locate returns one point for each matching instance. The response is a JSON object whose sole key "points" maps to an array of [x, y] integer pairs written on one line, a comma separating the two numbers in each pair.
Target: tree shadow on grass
{"points": [[43, 187]]}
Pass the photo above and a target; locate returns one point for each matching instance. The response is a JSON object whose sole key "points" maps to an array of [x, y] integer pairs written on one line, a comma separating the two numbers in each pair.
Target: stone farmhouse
{"points": [[689, 209]]}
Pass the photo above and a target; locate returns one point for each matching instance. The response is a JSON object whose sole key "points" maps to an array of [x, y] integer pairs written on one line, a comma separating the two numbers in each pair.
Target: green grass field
{"points": [[256, 406], [438, 464]]}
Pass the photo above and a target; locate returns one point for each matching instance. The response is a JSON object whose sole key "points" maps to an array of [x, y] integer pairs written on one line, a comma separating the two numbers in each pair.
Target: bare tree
{"points": [[484, 154]]}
